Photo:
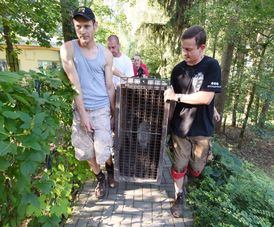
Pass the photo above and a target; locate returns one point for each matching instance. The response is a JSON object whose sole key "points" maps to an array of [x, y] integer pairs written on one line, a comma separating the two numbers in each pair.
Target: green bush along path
{"points": [[38, 171]]}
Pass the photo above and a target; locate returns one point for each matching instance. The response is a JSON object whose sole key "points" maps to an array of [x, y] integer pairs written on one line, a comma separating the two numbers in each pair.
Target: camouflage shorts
{"points": [[191, 152], [96, 144]]}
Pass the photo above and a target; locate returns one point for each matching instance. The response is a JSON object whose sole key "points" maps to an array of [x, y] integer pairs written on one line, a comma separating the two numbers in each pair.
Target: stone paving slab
{"points": [[130, 204]]}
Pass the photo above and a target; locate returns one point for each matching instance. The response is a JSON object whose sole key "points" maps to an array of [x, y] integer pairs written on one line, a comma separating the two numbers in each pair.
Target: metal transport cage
{"points": [[140, 130]]}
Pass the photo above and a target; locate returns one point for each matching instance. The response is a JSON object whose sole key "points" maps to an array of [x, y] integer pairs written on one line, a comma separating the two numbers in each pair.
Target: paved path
{"points": [[130, 204]]}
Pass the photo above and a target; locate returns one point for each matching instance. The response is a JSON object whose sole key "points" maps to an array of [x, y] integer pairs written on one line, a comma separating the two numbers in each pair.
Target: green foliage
{"points": [[248, 26], [38, 170], [266, 133], [232, 193], [35, 19]]}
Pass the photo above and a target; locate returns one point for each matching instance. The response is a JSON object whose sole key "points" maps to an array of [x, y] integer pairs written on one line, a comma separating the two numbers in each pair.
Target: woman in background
{"points": [[139, 68]]}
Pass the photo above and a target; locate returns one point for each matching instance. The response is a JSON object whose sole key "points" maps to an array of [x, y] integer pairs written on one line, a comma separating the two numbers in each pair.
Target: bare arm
{"points": [[66, 53], [117, 72], [109, 83], [128, 69], [197, 98], [216, 115]]}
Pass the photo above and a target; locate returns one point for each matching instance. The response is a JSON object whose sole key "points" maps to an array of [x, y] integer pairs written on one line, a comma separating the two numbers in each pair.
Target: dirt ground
{"points": [[255, 149]]}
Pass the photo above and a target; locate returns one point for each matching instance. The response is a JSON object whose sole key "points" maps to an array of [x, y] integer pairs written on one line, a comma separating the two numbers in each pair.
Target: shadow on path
{"points": [[130, 204]]}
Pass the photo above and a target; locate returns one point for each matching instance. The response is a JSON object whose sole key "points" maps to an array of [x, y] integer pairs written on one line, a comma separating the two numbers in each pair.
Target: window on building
{"points": [[3, 65], [44, 64]]}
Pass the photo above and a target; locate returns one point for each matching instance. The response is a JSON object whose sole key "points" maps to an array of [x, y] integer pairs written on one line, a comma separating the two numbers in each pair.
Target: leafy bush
{"points": [[232, 193], [38, 170]]}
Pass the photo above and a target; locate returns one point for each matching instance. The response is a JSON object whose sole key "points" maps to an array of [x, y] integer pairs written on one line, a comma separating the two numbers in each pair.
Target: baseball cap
{"points": [[84, 12]]}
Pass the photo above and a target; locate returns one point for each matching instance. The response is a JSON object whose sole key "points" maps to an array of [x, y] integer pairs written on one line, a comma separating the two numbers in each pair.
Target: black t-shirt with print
{"points": [[195, 120]]}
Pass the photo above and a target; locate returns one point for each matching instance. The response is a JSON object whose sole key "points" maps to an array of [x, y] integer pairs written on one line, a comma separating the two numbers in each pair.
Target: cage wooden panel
{"points": [[140, 130]]}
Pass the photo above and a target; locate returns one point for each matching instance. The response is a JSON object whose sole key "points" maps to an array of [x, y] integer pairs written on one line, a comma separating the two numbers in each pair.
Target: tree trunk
{"points": [[224, 123], [225, 64], [264, 112], [234, 112], [256, 112], [231, 38], [215, 44], [252, 95], [67, 8], [237, 89], [11, 55], [266, 106]]}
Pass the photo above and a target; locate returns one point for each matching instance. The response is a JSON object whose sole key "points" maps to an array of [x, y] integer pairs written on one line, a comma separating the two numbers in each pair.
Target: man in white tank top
{"points": [[94, 113], [122, 65]]}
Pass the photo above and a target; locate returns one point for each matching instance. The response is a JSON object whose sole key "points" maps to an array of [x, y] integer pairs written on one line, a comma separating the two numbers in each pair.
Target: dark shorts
{"points": [[191, 152]]}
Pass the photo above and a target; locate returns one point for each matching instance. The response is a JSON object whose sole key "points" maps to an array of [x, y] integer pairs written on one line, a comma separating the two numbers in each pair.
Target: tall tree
{"points": [[265, 108], [265, 88], [67, 7], [252, 94], [236, 87], [11, 54], [225, 70], [35, 20], [230, 38], [176, 10], [162, 30]]}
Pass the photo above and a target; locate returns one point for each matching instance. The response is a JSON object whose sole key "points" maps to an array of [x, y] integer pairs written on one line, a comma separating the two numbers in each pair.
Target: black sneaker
{"points": [[185, 184], [178, 206], [100, 189]]}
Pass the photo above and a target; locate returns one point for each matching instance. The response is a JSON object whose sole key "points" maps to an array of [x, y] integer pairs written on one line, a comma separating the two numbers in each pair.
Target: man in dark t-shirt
{"points": [[194, 84]]}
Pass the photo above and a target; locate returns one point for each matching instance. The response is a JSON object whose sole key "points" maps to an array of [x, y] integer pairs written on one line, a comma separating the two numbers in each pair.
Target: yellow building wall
{"points": [[29, 56]]}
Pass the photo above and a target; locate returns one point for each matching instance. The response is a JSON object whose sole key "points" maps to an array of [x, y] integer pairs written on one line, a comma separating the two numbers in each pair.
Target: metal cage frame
{"points": [[140, 130]]}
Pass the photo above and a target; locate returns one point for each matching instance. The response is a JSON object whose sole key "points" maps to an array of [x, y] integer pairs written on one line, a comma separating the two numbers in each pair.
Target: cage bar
{"points": [[140, 130]]}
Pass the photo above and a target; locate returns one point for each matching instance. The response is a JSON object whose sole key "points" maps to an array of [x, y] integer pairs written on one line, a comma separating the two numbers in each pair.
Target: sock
{"points": [[100, 176], [177, 190], [109, 168]]}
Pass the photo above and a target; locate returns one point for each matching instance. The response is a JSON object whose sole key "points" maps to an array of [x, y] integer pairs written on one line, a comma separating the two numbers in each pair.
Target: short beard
{"points": [[83, 43]]}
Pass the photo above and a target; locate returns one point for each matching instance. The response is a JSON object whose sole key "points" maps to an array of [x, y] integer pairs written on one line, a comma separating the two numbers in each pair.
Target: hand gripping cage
{"points": [[140, 130]]}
